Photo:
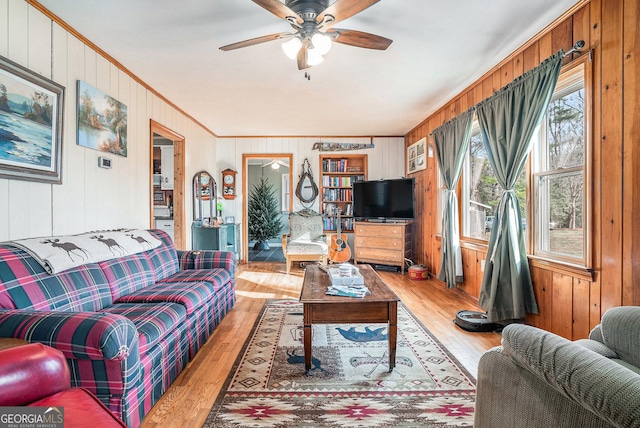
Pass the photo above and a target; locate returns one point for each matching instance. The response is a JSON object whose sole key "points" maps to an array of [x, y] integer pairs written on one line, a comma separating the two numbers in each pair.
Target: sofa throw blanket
{"points": [[59, 253]]}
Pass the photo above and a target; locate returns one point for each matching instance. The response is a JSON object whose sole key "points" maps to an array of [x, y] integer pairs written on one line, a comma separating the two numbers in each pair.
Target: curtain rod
{"points": [[576, 48]]}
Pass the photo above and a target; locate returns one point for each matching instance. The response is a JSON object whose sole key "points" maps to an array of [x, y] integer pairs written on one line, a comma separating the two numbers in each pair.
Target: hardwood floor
{"points": [[190, 397]]}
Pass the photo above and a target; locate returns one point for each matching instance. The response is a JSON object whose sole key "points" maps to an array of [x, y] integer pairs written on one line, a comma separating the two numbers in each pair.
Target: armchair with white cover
{"points": [[306, 240]]}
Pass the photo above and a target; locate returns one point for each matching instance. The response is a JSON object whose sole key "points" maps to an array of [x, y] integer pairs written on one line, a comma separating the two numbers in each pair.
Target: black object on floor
{"points": [[273, 254], [474, 321], [387, 268]]}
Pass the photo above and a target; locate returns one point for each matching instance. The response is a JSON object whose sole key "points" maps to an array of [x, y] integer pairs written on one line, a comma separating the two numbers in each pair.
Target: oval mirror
{"points": [[307, 190]]}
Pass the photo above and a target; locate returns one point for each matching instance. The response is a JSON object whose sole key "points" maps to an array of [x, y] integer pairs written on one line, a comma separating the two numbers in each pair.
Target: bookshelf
{"points": [[337, 174]]}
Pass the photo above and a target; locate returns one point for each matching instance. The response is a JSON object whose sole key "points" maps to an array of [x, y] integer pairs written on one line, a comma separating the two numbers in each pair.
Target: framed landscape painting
{"points": [[31, 109], [102, 121]]}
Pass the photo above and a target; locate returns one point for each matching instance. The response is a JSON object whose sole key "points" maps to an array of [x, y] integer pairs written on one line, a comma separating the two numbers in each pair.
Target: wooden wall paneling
{"points": [[481, 257], [506, 73], [90, 207], [561, 305], [581, 323], [135, 150], [143, 151], [562, 38], [17, 30], [39, 61], [4, 20], [108, 179], [39, 28], [60, 74], [542, 288], [531, 57], [545, 47], [468, 271], [437, 244], [595, 35], [611, 32], [496, 81], [71, 207], [582, 27], [611, 138], [471, 97], [595, 298], [518, 65], [17, 51], [631, 133], [487, 87]]}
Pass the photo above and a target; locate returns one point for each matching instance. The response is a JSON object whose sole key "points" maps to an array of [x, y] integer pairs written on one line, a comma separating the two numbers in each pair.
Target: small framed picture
{"points": [[416, 156], [229, 219]]}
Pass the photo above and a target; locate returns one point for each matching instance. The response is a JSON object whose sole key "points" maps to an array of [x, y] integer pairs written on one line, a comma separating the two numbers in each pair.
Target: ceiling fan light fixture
{"points": [[314, 58], [321, 43], [292, 47], [275, 166]]}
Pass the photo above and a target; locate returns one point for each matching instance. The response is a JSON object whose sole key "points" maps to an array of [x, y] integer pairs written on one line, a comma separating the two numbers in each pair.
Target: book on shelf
{"points": [[331, 223], [337, 194], [340, 181]]}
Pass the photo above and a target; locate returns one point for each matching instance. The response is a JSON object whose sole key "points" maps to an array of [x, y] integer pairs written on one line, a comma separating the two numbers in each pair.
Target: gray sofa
{"points": [[539, 379]]}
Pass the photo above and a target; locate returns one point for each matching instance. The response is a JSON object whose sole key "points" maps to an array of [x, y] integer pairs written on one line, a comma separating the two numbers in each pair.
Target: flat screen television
{"points": [[384, 199]]}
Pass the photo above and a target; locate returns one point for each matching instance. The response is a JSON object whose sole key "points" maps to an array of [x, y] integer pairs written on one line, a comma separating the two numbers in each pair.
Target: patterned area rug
{"points": [[349, 384]]}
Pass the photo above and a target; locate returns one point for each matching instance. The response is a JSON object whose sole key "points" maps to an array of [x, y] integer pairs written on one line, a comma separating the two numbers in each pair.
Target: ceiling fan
{"points": [[312, 22], [276, 164]]}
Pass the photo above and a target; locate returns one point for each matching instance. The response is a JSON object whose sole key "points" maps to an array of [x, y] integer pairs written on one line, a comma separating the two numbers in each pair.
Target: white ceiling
{"points": [[439, 48]]}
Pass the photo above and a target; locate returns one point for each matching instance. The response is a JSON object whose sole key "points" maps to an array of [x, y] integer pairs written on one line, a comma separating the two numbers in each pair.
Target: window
{"points": [[481, 192], [557, 174], [558, 164]]}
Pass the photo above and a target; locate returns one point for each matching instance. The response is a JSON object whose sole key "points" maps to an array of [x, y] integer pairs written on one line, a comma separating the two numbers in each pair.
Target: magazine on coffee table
{"points": [[346, 280]]}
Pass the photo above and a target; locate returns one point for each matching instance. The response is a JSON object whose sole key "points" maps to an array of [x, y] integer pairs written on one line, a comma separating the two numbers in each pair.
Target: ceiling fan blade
{"points": [[343, 9], [359, 39], [257, 40], [279, 9], [303, 57]]}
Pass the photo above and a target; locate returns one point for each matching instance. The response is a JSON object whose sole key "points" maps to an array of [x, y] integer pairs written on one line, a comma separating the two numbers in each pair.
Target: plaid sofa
{"points": [[127, 326]]}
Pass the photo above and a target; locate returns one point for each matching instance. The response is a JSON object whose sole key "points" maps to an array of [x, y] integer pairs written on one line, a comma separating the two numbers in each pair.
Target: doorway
{"points": [[276, 169], [167, 183]]}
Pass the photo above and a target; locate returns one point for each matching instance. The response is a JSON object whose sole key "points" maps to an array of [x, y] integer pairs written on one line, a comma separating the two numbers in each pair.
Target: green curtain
{"points": [[508, 120], [452, 141]]}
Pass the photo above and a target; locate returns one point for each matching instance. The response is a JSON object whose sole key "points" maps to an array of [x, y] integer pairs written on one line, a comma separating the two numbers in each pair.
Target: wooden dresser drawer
{"points": [[376, 254], [384, 243], [378, 242], [379, 229]]}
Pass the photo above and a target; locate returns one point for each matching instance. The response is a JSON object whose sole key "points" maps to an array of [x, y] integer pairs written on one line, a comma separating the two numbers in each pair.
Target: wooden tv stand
{"points": [[384, 243]]}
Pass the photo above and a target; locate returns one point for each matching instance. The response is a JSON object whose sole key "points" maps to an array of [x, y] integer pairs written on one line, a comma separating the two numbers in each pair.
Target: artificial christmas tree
{"points": [[264, 215]]}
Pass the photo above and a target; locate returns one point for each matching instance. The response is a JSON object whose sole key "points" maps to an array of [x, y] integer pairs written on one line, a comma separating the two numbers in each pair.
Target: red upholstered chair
{"points": [[38, 375]]}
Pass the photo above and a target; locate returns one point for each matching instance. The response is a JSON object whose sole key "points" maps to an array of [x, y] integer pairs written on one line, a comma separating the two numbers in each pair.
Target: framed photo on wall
{"points": [[417, 156], [31, 109]]}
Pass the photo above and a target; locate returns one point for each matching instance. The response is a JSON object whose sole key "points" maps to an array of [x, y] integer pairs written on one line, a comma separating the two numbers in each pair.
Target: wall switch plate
{"points": [[104, 162]]}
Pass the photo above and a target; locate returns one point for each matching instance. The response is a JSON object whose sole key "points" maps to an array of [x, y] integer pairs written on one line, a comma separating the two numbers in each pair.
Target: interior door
{"points": [[178, 189], [264, 160]]}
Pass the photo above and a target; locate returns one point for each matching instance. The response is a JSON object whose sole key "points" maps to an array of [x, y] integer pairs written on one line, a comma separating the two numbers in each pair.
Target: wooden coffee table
{"points": [[381, 306]]}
